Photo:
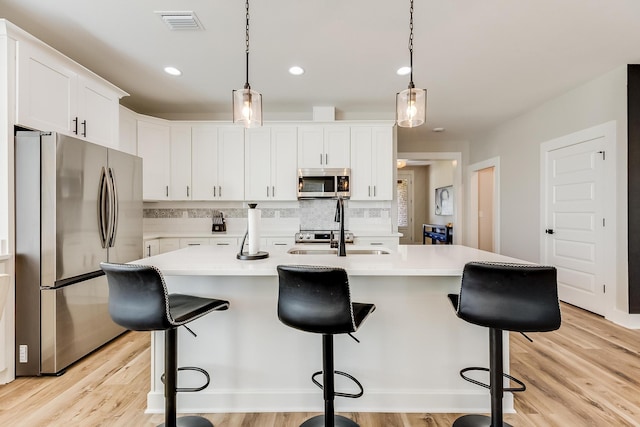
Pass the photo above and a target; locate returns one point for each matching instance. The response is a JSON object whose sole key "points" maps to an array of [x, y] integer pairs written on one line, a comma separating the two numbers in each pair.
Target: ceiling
{"points": [[482, 62]]}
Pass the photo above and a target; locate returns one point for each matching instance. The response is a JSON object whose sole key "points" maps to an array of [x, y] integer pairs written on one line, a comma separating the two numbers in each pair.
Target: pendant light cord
{"points": [[246, 85], [411, 85]]}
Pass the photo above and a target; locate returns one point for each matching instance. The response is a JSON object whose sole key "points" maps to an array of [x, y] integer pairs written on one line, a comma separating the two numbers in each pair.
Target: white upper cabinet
{"points": [[154, 146], [371, 163], [98, 113], [217, 162], [323, 146], [270, 163], [180, 186], [56, 94], [128, 139]]}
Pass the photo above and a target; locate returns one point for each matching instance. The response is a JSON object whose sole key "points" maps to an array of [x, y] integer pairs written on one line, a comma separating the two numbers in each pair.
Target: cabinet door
{"points": [[382, 162], [196, 241], [231, 163], [311, 147], [98, 113], [154, 142], [128, 124], [168, 245], [151, 247], [180, 188], [337, 147], [47, 90], [258, 164], [361, 184], [223, 241], [284, 173], [204, 162]]}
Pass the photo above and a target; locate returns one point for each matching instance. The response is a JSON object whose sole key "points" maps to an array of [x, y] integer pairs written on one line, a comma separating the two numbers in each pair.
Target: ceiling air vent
{"points": [[184, 20]]}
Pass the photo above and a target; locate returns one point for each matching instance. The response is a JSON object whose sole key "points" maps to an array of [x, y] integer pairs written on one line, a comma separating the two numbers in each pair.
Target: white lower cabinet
{"points": [[168, 245], [384, 241], [198, 241], [223, 241], [151, 247], [280, 241]]}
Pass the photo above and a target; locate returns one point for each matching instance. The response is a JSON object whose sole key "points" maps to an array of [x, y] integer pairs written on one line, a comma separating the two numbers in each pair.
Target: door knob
{"points": [[549, 231]]}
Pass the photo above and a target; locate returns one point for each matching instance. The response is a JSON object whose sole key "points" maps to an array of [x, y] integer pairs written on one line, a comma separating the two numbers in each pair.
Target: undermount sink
{"points": [[325, 251]]}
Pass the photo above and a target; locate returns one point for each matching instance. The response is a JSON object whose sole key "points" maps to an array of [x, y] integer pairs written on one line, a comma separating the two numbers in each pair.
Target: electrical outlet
{"points": [[24, 354]]}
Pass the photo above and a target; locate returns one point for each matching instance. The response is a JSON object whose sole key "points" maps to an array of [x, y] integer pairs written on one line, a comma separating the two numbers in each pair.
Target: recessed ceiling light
{"points": [[296, 71], [403, 71], [173, 71], [438, 129]]}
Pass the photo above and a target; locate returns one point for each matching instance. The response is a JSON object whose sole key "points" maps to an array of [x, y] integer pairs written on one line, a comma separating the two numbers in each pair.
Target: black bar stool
{"points": [[317, 299], [138, 300], [504, 297]]}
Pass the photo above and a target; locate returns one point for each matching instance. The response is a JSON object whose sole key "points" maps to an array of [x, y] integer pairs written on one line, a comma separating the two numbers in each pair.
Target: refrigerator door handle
{"points": [[102, 208], [113, 219]]}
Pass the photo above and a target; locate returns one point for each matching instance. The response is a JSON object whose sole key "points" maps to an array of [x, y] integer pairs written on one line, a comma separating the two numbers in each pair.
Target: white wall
{"points": [[7, 221], [517, 143]]}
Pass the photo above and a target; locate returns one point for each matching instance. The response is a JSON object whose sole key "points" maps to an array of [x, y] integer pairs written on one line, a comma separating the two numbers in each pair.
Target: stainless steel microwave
{"points": [[324, 183]]}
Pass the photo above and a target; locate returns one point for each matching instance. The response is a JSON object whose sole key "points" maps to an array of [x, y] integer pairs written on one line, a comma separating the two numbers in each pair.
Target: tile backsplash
{"points": [[317, 214]]}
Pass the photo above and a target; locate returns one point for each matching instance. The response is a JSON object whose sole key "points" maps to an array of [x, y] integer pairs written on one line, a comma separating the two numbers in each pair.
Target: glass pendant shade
{"points": [[411, 107], [247, 107]]}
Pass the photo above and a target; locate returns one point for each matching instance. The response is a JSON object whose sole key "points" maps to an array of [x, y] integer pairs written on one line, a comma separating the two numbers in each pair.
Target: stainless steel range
{"points": [[321, 236]]}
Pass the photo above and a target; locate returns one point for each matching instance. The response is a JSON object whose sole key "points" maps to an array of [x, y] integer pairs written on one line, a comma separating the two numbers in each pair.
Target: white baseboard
{"points": [[415, 401]]}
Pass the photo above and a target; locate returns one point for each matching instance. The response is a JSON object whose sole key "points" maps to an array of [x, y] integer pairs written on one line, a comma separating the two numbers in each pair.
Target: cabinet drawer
{"points": [[201, 241], [223, 241]]}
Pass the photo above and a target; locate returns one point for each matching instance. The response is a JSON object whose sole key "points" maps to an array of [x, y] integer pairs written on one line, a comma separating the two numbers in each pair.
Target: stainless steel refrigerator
{"points": [[77, 204]]}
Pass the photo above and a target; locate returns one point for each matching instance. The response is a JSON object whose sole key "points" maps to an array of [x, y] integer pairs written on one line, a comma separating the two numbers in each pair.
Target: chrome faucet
{"points": [[342, 250]]}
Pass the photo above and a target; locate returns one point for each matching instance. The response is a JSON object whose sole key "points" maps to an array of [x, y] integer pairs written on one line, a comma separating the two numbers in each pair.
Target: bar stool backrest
{"points": [[512, 297], [138, 297], [315, 299]]}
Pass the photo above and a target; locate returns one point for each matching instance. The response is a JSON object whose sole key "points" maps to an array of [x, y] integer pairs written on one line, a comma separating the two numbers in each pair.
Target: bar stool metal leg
{"points": [[171, 386], [329, 419], [496, 370]]}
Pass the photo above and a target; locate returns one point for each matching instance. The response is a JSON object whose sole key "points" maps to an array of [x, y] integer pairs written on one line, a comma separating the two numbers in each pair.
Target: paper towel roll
{"points": [[254, 231]]}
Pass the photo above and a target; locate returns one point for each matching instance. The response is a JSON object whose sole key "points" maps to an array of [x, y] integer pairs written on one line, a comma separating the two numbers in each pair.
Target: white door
{"points": [[405, 206], [574, 200]]}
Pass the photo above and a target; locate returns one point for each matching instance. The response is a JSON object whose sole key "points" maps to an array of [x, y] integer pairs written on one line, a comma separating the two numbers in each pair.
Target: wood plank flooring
{"points": [[585, 374]]}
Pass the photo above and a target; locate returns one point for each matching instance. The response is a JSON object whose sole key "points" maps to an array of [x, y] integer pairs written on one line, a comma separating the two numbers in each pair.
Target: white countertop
{"points": [[408, 260]]}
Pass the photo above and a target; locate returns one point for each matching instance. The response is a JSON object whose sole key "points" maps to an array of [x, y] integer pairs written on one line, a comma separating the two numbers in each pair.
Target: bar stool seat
{"points": [[504, 297], [139, 301], [318, 300]]}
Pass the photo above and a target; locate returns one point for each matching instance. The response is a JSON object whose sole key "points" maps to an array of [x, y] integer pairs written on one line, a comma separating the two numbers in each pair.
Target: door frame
{"points": [[607, 131], [456, 157], [410, 210], [472, 222]]}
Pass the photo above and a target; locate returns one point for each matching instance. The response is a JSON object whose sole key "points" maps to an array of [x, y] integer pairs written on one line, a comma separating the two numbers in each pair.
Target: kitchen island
{"points": [[412, 347]]}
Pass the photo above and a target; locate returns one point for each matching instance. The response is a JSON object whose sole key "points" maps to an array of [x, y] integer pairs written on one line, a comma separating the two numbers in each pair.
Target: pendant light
{"points": [[247, 103], [411, 103]]}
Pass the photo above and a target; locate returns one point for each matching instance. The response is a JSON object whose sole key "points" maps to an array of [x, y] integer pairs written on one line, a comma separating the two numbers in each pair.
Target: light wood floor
{"points": [[585, 374]]}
